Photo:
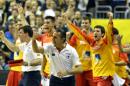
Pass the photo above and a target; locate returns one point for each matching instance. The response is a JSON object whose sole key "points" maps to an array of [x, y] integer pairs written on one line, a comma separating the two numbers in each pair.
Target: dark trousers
{"points": [[32, 78], [66, 81]]}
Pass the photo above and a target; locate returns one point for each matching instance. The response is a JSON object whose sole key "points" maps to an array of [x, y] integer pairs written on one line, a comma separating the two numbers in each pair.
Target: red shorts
{"points": [[85, 79], [103, 81], [13, 78]]}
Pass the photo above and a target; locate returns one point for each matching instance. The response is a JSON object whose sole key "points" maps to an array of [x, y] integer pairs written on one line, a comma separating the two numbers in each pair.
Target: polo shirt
{"points": [[63, 60], [28, 56]]}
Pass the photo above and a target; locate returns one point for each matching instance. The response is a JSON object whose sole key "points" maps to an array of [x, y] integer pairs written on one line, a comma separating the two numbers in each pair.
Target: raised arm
{"points": [[35, 47], [126, 50], [109, 27], [70, 11], [21, 14], [10, 45], [76, 30]]}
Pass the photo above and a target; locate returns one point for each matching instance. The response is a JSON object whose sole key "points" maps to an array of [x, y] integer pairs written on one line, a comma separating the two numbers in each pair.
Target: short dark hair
{"points": [[86, 18], [115, 31], [62, 33], [101, 28], [27, 29], [50, 17]]}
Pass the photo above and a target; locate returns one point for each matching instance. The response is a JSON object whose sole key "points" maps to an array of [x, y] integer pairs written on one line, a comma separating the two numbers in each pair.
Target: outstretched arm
{"points": [[76, 30], [10, 45], [75, 70]]}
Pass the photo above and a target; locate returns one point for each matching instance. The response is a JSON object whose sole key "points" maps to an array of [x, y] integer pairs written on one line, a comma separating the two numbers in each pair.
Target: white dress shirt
{"points": [[63, 60], [28, 56]]}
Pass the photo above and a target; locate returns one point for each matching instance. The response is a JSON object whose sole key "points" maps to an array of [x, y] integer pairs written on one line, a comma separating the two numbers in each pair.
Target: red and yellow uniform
{"points": [[83, 50], [118, 56], [46, 38], [81, 47], [102, 56], [102, 59], [15, 72]]}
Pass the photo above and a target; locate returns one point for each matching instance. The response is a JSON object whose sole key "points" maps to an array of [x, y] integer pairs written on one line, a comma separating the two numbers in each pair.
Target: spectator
{"points": [[77, 18], [82, 5]]}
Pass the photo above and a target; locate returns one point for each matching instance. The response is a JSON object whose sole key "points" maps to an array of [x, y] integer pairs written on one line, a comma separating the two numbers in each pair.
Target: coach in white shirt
{"points": [[31, 63], [63, 58]]}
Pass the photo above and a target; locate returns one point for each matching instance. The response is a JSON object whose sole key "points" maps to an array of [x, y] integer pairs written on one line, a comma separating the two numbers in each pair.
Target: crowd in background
{"points": [[34, 13], [17, 13]]}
